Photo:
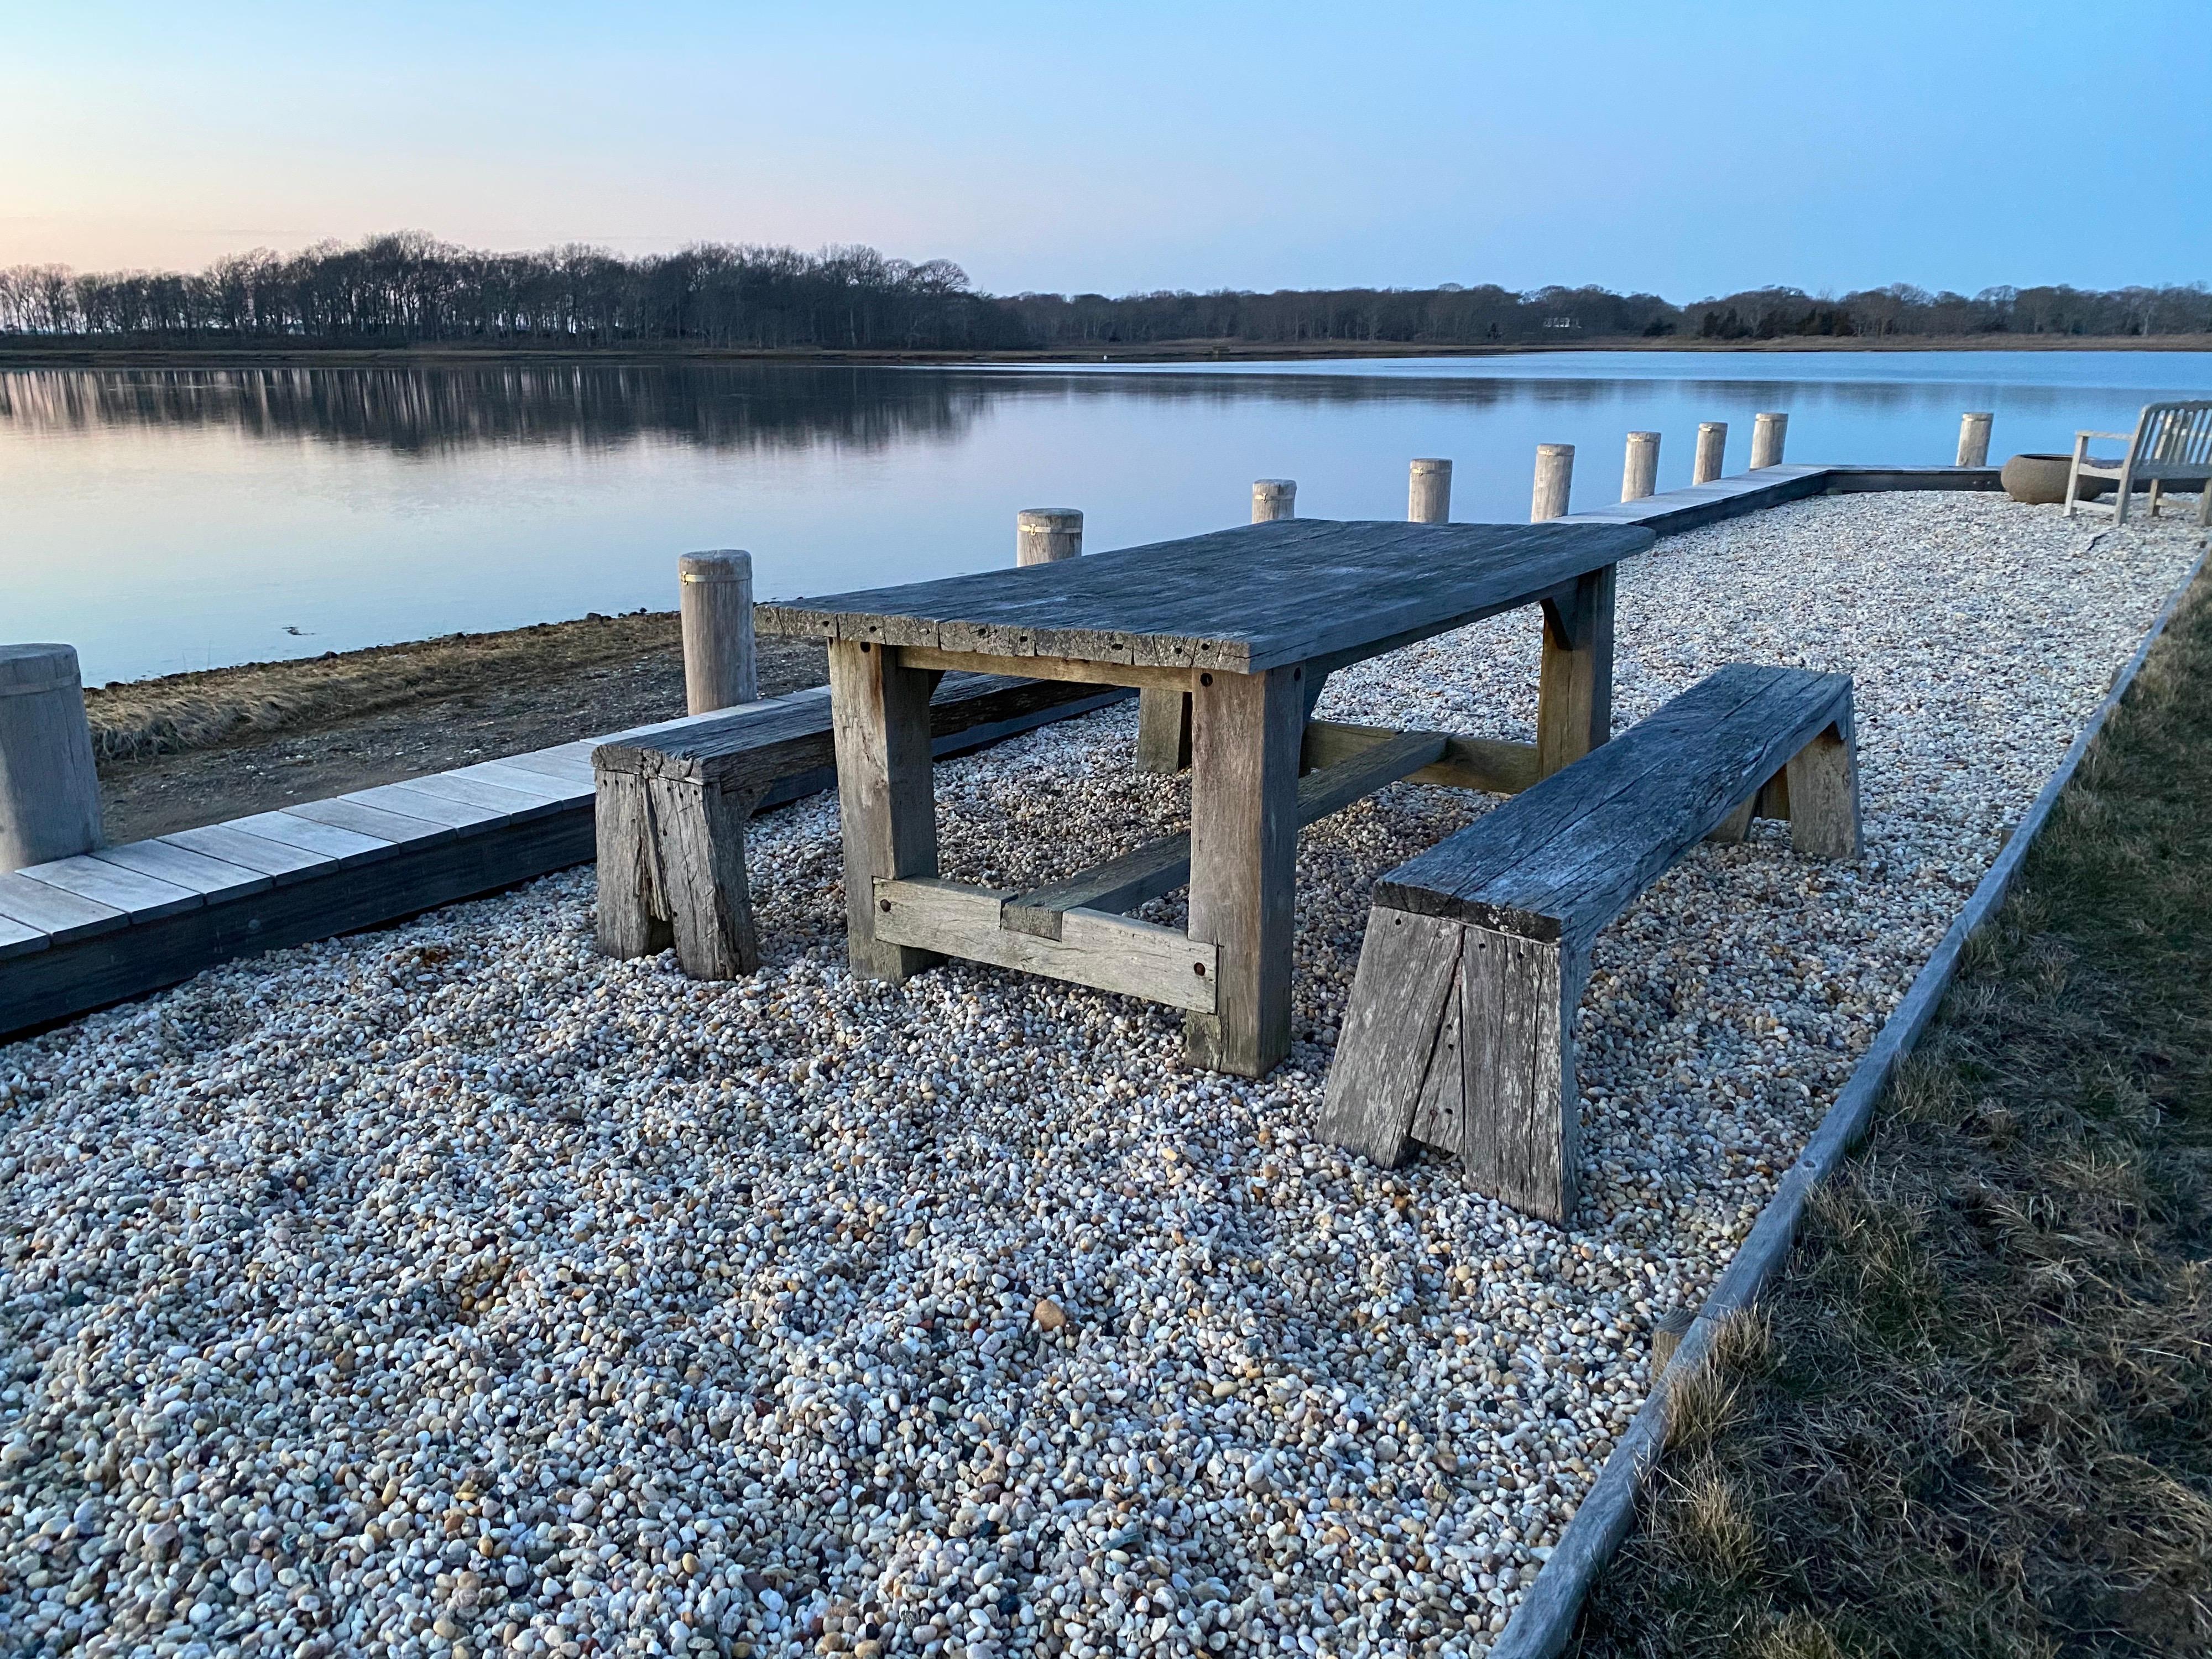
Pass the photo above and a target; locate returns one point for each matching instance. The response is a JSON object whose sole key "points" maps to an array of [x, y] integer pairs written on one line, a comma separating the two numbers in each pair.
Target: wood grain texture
{"points": [[49, 791], [349, 813], [1408, 968], [629, 917], [209, 877], [1770, 432], [62, 917], [140, 897], [1574, 695], [1046, 535], [1563, 859], [887, 803], [1823, 804], [1518, 1130], [308, 835], [1709, 459], [1245, 737], [250, 852], [1256, 597], [1428, 490], [701, 833], [715, 611], [1163, 731], [934, 917]]}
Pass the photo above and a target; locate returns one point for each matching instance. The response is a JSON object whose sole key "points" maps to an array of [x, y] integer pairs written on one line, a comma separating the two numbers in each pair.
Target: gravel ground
{"points": [[451, 1289]]}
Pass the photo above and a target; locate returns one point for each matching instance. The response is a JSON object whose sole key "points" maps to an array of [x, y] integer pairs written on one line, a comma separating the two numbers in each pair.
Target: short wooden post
{"points": [[715, 603], [1243, 863], [1574, 686], [1768, 433], [1712, 446], [1555, 477], [1974, 438], [886, 795], [1428, 496], [1639, 476], [1046, 535], [1275, 498], [49, 791]]}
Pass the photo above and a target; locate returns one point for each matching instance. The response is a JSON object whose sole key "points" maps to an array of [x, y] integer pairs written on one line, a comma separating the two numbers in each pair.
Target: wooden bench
{"points": [[2171, 445], [671, 805], [1459, 1031]]}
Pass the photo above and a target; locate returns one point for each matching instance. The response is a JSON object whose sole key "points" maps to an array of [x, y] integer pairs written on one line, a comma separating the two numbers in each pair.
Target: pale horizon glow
{"points": [[1686, 150]]}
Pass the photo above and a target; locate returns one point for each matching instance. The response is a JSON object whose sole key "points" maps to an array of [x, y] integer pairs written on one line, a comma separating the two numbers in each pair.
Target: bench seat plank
{"points": [[1579, 847]]}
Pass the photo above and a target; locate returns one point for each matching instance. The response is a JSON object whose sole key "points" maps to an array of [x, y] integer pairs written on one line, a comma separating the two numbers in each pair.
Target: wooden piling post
{"points": [[1046, 535], [1428, 497], [1768, 434], [1974, 438], [49, 793], [1555, 476], [1275, 498], [1639, 476], [715, 603], [1713, 447]]}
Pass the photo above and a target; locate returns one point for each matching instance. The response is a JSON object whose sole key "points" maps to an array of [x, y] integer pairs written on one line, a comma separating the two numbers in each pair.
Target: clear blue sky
{"points": [[1685, 149]]}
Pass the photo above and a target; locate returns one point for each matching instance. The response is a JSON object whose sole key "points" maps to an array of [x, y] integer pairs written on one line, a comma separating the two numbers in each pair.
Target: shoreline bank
{"points": [[185, 750], [81, 355]]}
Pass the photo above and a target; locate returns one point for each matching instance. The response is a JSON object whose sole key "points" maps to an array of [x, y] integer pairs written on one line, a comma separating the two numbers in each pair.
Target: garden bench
{"points": [[672, 803], [2171, 445], [1459, 1031]]}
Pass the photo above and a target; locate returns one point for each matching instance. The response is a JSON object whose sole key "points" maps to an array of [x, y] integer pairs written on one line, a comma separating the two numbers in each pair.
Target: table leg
{"points": [[1245, 737], [886, 796], [1162, 730], [1574, 696]]}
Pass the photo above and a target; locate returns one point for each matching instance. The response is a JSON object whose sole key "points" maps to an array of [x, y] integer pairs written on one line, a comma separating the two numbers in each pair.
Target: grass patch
{"points": [[1976, 1417]]}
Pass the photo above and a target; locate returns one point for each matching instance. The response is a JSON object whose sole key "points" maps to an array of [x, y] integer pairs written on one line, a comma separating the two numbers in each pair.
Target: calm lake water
{"points": [[175, 519]]}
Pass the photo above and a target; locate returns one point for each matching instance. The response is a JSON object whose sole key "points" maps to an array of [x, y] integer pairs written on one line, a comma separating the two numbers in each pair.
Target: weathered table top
{"points": [[1257, 597]]}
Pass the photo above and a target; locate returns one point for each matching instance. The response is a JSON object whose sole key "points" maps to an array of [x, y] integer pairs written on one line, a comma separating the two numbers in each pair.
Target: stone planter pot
{"points": [[2040, 480]]}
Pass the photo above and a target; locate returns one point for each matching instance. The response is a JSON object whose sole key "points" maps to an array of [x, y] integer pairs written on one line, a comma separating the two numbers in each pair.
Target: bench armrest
{"points": [[2118, 437]]}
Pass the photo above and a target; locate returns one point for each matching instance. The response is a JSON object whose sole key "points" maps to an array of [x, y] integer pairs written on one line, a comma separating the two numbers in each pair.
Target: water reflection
{"points": [[423, 411], [180, 518]]}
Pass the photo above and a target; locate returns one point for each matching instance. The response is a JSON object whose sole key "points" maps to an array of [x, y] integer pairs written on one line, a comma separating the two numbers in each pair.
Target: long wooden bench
{"points": [[1460, 1032], [672, 806]]}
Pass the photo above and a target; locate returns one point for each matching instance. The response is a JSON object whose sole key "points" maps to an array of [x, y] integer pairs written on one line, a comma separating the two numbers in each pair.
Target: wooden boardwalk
{"points": [[81, 933]]}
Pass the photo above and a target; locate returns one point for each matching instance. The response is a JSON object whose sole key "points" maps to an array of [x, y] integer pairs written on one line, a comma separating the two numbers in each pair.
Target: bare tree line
{"points": [[409, 288]]}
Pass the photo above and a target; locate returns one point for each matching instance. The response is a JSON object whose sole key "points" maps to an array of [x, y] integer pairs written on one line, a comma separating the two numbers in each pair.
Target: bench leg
{"points": [[886, 796], [1574, 697], [1246, 733], [701, 836], [1408, 967], [1518, 1133], [1822, 803], [1462, 1039], [1163, 731], [630, 919]]}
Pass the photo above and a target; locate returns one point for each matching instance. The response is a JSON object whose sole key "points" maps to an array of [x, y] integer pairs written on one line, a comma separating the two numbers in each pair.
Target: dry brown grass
{"points": [[139, 718], [1981, 1424]]}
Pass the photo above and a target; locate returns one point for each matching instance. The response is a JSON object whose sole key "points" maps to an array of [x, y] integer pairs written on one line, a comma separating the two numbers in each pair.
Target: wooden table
{"points": [[1246, 625]]}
